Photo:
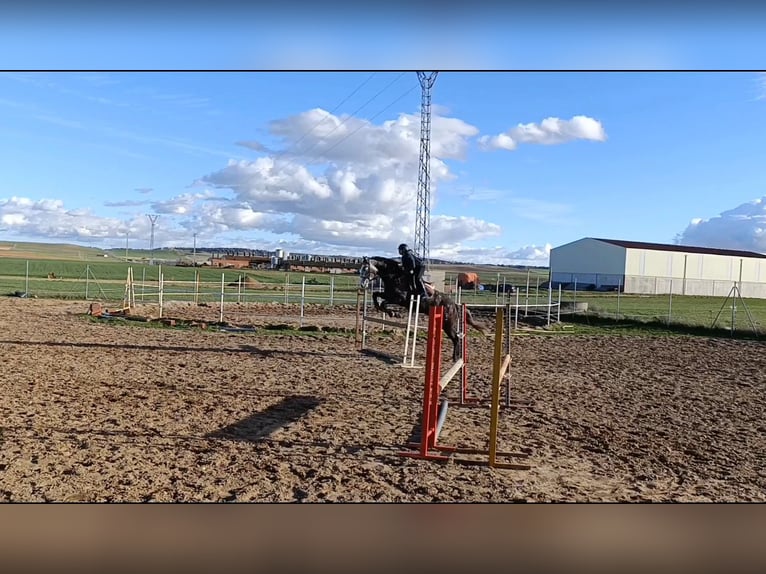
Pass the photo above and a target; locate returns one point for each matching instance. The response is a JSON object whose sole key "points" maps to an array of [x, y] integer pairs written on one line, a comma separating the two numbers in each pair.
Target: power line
{"points": [[352, 114], [336, 144], [332, 111]]}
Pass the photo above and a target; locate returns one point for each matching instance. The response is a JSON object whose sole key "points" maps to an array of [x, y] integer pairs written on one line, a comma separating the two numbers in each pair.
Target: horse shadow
{"points": [[261, 425], [388, 359], [249, 349]]}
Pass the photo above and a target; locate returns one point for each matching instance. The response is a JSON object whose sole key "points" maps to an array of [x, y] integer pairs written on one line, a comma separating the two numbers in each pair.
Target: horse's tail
{"points": [[472, 322]]}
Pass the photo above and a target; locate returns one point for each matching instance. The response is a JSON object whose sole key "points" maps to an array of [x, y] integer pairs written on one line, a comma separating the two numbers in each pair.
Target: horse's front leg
{"points": [[385, 309], [380, 304]]}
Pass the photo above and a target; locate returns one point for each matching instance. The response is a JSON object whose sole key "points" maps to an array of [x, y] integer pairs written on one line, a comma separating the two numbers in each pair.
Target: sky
{"points": [[327, 161]]}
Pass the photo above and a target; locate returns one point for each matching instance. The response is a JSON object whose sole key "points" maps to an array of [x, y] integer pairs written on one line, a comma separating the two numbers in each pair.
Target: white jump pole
{"points": [[415, 332], [447, 377], [161, 290], [504, 297], [410, 327], [508, 354], [220, 315], [407, 334], [364, 320], [303, 296], [287, 288]]}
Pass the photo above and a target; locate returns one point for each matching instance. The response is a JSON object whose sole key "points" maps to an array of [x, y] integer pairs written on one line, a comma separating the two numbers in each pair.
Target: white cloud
{"points": [[13, 219], [50, 220], [345, 185], [253, 145], [211, 216], [550, 131], [126, 203], [184, 204], [743, 227], [445, 228], [761, 86], [487, 195], [549, 212], [528, 255], [349, 182]]}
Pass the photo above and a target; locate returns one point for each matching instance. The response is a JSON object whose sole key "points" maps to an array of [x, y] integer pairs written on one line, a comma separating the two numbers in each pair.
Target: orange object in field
{"points": [[468, 280]]}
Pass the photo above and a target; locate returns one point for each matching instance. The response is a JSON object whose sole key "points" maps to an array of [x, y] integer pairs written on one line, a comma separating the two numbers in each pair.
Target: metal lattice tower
{"points": [[422, 245], [153, 221]]}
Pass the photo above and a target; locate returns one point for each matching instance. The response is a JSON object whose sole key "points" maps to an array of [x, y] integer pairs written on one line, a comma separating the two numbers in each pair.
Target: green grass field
{"points": [[106, 280]]}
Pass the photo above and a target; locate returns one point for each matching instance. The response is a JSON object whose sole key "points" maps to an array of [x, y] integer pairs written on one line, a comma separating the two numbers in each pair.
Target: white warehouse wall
{"points": [[693, 265], [656, 271], [587, 261]]}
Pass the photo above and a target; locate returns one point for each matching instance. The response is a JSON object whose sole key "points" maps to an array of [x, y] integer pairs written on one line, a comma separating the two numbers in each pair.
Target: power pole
{"points": [[194, 250], [423, 210], [153, 220]]}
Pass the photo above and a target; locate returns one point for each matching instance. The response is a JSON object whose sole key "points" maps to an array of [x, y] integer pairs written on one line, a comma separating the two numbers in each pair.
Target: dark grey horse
{"points": [[396, 292]]}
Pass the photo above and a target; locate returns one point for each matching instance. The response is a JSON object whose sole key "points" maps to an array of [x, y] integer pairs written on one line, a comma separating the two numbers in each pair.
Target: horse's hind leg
{"points": [[455, 343]]}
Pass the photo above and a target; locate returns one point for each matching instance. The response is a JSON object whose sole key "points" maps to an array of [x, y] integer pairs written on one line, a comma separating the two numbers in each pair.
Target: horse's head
{"points": [[367, 272]]}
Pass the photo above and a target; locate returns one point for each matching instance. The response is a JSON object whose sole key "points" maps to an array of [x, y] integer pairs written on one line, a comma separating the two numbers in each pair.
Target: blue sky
{"points": [[88, 154], [547, 34], [522, 161]]}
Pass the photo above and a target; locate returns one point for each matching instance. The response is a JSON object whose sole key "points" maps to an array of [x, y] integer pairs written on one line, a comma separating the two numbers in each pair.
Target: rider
{"points": [[413, 267]]}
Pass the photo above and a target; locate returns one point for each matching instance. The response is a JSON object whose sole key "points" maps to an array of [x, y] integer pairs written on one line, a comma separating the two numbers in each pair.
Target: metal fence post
{"points": [[550, 294], [619, 290], [670, 303], [537, 292], [574, 299]]}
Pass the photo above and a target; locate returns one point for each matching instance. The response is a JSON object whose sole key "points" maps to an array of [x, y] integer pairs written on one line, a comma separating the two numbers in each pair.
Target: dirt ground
{"points": [[94, 410]]}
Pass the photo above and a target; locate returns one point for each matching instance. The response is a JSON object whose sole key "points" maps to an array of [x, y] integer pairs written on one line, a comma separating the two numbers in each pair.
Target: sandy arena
{"points": [[117, 411]]}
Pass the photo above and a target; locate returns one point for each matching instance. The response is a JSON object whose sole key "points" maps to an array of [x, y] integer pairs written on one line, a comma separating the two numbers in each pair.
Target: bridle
{"points": [[365, 274]]}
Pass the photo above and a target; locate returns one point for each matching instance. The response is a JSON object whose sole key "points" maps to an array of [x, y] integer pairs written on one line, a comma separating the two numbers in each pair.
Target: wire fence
{"points": [[199, 288], [667, 301], [734, 306]]}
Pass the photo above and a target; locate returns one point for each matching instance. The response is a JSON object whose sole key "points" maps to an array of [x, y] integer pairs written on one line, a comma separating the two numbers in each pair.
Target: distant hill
{"points": [[67, 251]]}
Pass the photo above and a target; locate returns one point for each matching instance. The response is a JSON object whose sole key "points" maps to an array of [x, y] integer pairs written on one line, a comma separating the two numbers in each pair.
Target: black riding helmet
{"points": [[402, 248]]}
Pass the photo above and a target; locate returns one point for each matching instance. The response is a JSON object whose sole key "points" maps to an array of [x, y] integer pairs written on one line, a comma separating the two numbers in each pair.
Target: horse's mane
{"points": [[386, 259], [391, 264]]}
